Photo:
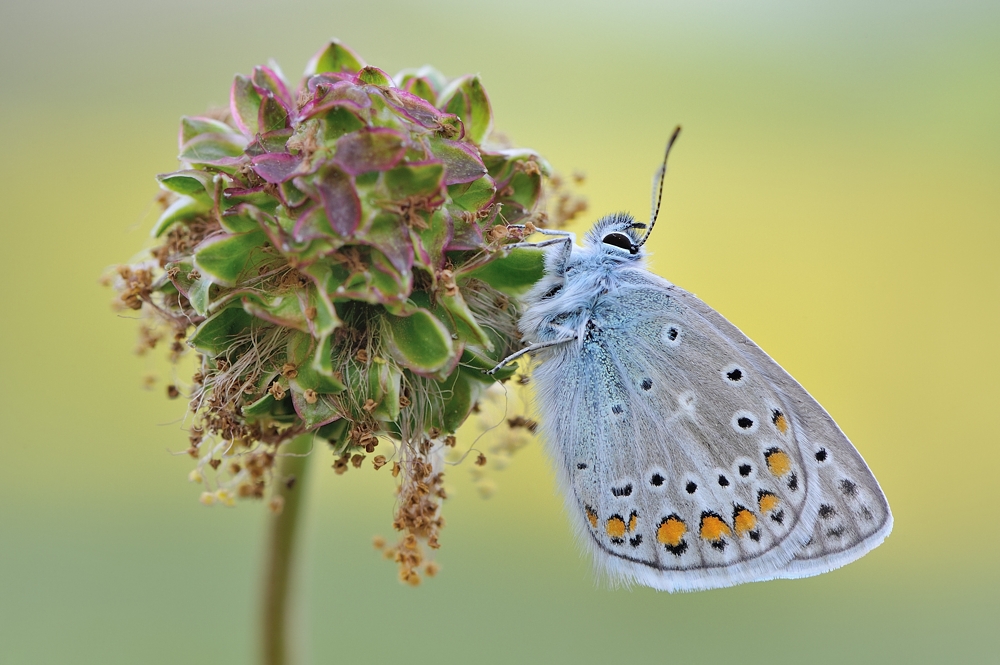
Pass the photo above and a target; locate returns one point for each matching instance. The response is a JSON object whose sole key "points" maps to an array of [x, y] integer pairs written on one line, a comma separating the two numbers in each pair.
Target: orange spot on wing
{"points": [[591, 516], [744, 521], [615, 527], [781, 423], [632, 520], [713, 528], [768, 502], [778, 462], [671, 531]]}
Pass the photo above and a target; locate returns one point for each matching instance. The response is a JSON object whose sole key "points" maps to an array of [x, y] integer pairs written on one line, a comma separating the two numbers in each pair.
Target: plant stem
{"points": [[275, 635]]}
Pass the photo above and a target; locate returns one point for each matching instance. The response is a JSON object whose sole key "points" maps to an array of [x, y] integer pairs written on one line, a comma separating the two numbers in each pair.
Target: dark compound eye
{"points": [[620, 240]]}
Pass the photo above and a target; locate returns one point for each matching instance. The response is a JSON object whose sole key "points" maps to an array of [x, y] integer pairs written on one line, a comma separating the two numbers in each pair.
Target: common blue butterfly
{"points": [[689, 459]]}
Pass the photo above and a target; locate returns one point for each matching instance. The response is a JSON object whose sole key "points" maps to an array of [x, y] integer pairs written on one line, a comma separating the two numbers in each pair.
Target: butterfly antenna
{"points": [[658, 185]]}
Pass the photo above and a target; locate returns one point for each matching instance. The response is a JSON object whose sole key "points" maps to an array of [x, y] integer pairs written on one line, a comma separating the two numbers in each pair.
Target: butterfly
{"points": [[688, 458]]}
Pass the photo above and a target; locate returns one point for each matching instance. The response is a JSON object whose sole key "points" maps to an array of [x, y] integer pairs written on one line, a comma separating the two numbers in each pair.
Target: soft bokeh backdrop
{"points": [[836, 194]]}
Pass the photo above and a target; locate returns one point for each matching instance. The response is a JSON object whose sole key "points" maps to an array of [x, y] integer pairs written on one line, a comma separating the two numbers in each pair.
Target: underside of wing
{"points": [[689, 458]]}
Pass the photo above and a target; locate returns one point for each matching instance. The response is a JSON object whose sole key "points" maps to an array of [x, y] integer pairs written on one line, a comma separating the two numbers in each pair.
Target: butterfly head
{"points": [[618, 235]]}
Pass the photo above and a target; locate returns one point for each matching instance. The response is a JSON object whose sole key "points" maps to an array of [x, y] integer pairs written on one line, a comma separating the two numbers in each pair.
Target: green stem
{"points": [[278, 574]]}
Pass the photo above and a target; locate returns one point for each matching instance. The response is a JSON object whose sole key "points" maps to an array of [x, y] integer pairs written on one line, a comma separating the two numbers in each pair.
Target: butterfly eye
{"points": [[620, 240]]}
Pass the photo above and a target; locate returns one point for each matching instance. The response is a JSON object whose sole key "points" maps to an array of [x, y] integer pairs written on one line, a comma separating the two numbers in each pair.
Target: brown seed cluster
{"points": [[418, 510], [362, 435], [137, 286], [497, 233], [181, 239]]}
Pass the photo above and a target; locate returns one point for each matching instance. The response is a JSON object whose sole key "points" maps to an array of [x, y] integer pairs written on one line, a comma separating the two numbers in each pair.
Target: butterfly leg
{"points": [[561, 236], [528, 349], [555, 262], [544, 232], [537, 245]]}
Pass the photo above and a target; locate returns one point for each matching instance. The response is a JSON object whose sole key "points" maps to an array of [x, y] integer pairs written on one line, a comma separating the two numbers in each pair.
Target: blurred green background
{"points": [[835, 194]]}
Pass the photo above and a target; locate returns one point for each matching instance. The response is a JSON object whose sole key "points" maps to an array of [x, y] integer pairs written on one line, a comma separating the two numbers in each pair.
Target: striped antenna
{"points": [[658, 186]]}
